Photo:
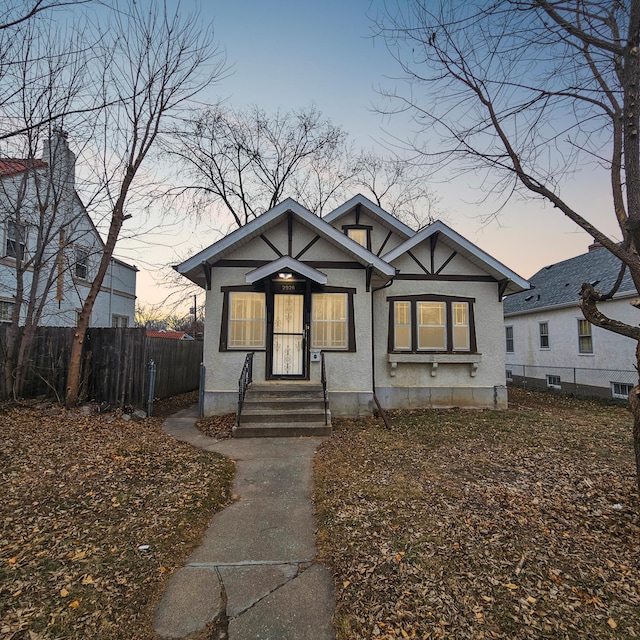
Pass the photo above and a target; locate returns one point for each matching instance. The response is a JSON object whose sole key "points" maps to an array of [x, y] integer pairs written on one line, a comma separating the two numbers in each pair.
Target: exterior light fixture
{"points": [[285, 276]]}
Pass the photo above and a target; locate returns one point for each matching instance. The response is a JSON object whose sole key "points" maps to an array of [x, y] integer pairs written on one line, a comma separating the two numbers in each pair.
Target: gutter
{"points": [[381, 411], [568, 305]]}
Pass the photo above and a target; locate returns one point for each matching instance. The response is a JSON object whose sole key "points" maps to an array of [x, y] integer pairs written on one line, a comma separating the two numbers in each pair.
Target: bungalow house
{"points": [[50, 249], [548, 341], [404, 318]]}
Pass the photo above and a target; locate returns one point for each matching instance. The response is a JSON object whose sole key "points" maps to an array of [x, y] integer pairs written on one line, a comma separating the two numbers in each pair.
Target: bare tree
{"points": [[399, 187], [527, 90], [248, 161], [38, 206], [157, 63]]}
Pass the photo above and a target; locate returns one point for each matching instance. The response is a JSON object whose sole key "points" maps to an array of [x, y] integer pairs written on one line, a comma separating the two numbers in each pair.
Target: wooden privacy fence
{"points": [[115, 365]]}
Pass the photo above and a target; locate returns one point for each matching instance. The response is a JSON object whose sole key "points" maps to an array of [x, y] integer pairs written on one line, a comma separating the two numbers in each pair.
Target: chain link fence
{"points": [[601, 383]]}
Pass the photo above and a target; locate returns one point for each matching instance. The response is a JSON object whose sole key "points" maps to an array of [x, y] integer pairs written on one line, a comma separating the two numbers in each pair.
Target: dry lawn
{"points": [[96, 513], [461, 524]]}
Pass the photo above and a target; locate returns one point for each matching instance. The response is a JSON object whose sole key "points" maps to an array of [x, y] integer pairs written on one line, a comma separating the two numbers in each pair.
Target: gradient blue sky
{"points": [[288, 54]]}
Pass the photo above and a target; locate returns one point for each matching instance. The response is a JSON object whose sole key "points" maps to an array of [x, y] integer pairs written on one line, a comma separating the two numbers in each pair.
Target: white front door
{"points": [[287, 355]]}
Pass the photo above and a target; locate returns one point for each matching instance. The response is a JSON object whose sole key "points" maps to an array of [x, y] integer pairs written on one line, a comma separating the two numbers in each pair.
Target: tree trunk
{"points": [[634, 405]]}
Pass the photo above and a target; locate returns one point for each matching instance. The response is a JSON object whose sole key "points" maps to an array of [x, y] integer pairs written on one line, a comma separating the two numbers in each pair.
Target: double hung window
{"points": [[508, 333], [544, 335], [585, 340], [16, 240], [329, 324], [81, 263], [246, 320], [431, 323], [6, 310]]}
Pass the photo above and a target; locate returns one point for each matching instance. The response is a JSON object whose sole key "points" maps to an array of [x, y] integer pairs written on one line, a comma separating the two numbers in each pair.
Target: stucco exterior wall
{"points": [[460, 379]]}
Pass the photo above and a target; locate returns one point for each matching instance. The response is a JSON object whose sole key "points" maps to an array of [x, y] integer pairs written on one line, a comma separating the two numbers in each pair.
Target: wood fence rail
{"points": [[115, 365]]}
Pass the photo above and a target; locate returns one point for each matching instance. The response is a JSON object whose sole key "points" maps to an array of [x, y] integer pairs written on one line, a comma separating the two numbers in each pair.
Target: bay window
{"points": [[431, 323]]}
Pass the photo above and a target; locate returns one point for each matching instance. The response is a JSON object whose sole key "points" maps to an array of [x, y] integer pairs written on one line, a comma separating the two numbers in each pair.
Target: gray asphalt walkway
{"points": [[256, 565]]}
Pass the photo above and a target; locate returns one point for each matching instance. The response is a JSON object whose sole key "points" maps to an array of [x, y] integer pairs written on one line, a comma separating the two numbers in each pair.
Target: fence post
{"points": [[203, 370], [152, 387]]}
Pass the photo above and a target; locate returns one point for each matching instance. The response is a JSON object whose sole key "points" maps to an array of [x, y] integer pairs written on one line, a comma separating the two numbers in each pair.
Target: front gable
{"points": [[439, 253], [286, 230], [383, 231]]}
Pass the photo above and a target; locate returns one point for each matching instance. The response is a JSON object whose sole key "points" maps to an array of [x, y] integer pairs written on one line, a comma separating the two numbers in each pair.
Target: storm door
{"points": [[289, 340]]}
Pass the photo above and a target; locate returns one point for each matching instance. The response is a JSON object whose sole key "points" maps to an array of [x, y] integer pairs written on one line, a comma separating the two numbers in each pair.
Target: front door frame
{"points": [[275, 286]]}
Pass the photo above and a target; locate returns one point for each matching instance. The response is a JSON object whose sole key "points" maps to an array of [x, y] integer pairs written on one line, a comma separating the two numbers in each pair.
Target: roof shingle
{"points": [[559, 284]]}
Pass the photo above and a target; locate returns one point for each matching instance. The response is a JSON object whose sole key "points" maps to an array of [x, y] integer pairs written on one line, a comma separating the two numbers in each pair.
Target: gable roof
{"points": [[14, 166], [172, 335], [192, 268], [467, 249], [289, 263], [558, 285], [386, 219]]}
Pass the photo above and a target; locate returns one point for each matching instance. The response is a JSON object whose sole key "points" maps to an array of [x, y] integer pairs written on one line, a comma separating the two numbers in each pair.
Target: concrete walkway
{"points": [[255, 568]]}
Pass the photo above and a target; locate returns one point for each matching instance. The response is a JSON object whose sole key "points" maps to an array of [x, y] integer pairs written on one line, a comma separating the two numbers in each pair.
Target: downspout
{"points": [[381, 411]]}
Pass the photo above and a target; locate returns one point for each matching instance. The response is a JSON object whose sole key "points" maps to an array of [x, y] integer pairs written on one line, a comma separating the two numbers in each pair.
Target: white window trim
{"points": [[7, 239], [618, 395], [553, 385], [541, 335], [580, 335]]}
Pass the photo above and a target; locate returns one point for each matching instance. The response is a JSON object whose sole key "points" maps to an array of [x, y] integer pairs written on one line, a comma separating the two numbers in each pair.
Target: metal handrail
{"points": [[246, 377], [323, 378]]}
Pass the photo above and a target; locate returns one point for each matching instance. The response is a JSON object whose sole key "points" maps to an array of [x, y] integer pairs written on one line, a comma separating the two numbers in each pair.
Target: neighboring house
{"points": [[172, 335], [415, 317], [548, 341], [45, 226]]}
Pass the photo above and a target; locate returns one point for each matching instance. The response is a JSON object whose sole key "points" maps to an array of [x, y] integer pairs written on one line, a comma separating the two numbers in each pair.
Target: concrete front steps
{"points": [[280, 409]]}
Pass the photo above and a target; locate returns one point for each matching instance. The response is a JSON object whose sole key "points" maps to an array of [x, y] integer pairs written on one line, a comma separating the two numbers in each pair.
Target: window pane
{"points": [[509, 339], [329, 321], [246, 320], [585, 341], [460, 326], [431, 338], [431, 325], [402, 328], [544, 335], [16, 240], [6, 310], [359, 235]]}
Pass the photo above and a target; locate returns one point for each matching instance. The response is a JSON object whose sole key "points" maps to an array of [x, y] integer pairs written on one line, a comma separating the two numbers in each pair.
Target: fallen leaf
{"points": [[612, 623]]}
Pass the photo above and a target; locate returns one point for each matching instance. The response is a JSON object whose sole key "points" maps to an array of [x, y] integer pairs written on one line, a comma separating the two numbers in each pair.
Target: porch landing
{"points": [[281, 408]]}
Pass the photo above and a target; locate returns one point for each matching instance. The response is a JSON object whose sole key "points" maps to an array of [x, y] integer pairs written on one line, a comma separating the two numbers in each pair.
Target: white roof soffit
{"points": [[468, 250], [192, 268], [391, 222], [288, 263]]}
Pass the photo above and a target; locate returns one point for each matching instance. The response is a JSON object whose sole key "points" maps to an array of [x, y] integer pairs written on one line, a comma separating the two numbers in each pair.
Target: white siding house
{"points": [[48, 236], [549, 343], [414, 318]]}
